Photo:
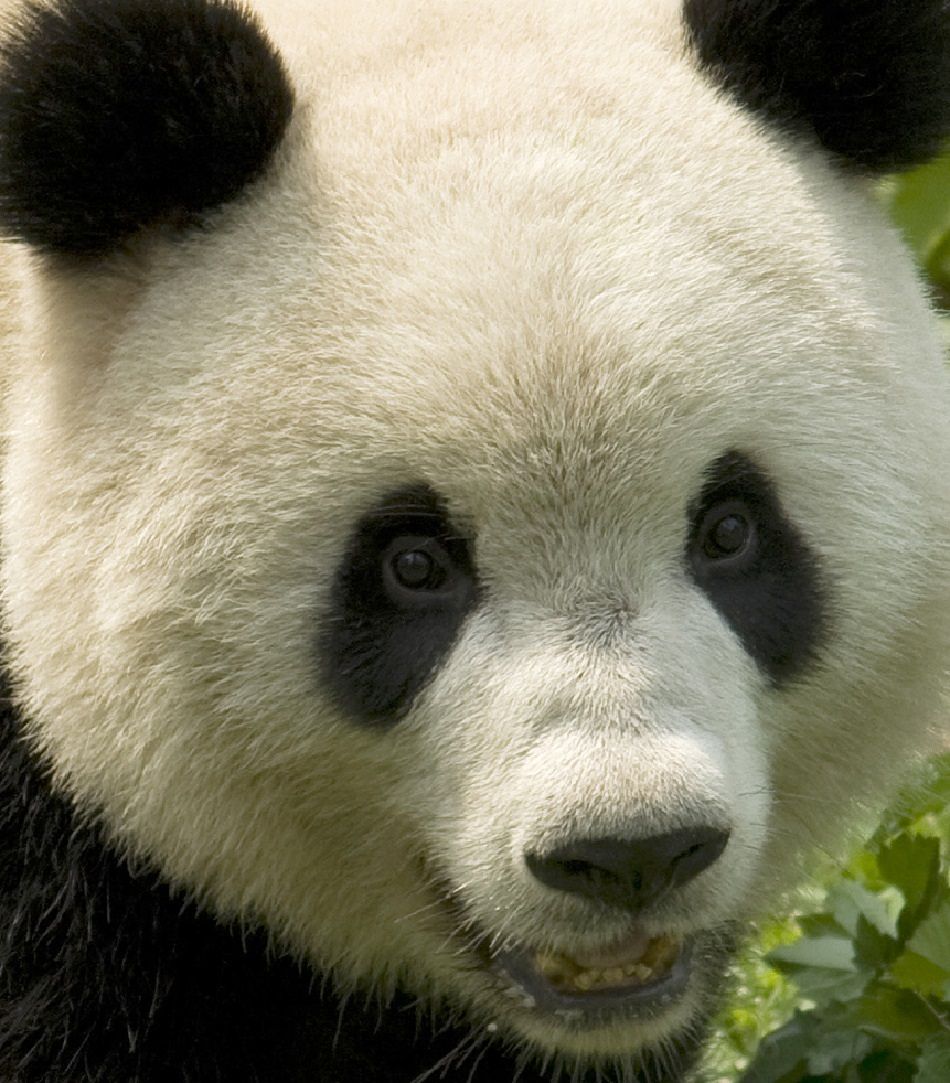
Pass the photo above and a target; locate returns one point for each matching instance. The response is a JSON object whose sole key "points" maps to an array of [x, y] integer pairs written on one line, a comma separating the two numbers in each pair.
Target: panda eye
{"points": [[727, 532], [417, 569]]}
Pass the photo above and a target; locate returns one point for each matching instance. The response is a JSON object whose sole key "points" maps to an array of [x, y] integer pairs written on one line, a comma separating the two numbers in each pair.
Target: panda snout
{"points": [[626, 873]]}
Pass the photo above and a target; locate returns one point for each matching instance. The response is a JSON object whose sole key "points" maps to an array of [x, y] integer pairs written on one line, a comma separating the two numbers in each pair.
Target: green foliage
{"points": [[863, 981], [762, 999], [919, 203]]}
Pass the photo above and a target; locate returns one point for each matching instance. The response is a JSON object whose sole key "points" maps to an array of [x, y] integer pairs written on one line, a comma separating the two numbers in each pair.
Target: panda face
{"points": [[493, 548]]}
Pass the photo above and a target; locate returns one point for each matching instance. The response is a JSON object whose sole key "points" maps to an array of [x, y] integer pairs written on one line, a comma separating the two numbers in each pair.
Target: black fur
{"points": [[377, 654], [107, 977], [870, 77], [776, 600], [120, 114]]}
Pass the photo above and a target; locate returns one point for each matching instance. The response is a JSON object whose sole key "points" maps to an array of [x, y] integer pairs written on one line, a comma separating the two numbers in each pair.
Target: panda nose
{"points": [[629, 873]]}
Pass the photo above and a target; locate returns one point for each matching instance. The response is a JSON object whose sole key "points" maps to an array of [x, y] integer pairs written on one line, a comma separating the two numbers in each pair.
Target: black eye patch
{"points": [[755, 567], [402, 591]]}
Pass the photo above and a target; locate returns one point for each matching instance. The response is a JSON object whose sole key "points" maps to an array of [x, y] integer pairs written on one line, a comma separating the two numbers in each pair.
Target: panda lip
{"points": [[640, 975]]}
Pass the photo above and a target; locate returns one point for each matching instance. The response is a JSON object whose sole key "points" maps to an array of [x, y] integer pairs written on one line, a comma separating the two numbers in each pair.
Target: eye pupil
{"points": [[730, 533], [728, 536], [415, 569]]}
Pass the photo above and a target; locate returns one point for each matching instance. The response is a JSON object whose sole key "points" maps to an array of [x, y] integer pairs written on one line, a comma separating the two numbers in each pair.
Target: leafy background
{"points": [[855, 988]]}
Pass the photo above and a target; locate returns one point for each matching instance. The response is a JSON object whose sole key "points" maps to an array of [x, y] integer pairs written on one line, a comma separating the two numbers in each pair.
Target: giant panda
{"points": [[474, 519]]}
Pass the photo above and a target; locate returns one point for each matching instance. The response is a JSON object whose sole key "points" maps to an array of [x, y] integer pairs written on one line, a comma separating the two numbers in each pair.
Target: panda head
{"points": [[476, 492]]}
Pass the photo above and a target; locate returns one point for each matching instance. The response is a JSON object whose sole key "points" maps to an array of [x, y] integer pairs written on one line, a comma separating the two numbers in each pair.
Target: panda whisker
{"points": [[809, 799], [457, 1054], [337, 1034], [427, 908], [465, 939], [486, 1045]]}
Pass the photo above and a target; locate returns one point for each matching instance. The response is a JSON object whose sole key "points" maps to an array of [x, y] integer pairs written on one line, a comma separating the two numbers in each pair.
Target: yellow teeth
{"points": [[567, 974]]}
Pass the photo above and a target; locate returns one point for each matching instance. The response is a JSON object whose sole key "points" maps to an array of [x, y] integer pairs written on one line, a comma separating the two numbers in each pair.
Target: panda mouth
{"points": [[639, 975], [636, 976]]}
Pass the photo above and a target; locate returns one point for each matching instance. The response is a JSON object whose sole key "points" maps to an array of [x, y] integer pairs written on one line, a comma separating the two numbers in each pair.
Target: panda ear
{"points": [[118, 114], [870, 77]]}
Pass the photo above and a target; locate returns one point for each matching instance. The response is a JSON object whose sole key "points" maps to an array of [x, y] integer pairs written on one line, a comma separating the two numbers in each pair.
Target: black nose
{"points": [[629, 873]]}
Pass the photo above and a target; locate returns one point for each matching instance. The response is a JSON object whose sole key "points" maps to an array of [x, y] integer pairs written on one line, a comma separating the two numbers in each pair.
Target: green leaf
{"points": [[873, 948], [895, 1014], [849, 900], [832, 1049], [933, 1064], [932, 938], [827, 986], [822, 967], [913, 971], [781, 1055], [823, 952], [912, 864], [820, 924], [885, 1066]]}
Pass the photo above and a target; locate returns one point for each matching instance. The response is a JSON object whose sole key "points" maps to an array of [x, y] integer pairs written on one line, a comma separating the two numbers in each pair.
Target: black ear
{"points": [[117, 114], [870, 77]]}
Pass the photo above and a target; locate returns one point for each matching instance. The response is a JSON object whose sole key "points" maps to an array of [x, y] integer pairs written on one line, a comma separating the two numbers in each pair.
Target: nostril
{"points": [[582, 868], [630, 873], [694, 850]]}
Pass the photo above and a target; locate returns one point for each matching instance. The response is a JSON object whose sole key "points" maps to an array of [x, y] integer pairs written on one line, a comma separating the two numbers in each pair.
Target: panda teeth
{"points": [[567, 974], [586, 980]]}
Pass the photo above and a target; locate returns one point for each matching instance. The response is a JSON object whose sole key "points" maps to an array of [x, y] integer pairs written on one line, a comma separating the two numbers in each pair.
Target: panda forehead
{"points": [[484, 259], [574, 369], [582, 398], [584, 122]]}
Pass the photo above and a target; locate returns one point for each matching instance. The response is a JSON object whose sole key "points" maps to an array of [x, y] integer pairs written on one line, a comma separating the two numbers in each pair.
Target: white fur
{"points": [[524, 252]]}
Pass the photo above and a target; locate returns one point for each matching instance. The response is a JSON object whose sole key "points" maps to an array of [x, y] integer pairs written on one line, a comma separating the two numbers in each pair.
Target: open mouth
{"points": [[639, 975]]}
